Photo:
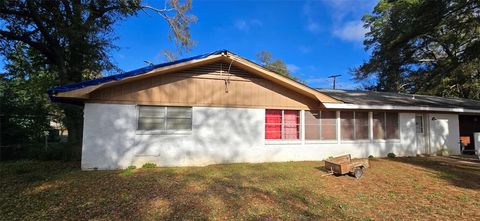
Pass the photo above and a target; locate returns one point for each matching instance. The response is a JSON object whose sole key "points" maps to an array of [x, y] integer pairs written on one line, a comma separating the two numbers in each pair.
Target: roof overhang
{"points": [[80, 92], [341, 106]]}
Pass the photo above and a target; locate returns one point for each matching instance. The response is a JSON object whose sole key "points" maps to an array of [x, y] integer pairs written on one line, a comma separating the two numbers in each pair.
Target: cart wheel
{"points": [[358, 172]]}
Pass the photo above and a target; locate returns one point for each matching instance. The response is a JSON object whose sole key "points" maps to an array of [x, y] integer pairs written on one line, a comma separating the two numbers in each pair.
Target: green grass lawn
{"points": [[402, 188]]}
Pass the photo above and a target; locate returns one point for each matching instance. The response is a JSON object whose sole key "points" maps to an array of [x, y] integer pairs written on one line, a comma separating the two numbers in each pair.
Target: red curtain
{"points": [[273, 124], [291, 124]]}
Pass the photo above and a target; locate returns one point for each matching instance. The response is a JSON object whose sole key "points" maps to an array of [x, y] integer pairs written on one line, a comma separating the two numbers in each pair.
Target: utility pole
{"points": [[334, 79]]}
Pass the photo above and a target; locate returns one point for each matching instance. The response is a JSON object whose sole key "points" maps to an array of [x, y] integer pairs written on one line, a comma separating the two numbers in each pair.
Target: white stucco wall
{"points": [[444, 133], [476, 140], [222, 135]]}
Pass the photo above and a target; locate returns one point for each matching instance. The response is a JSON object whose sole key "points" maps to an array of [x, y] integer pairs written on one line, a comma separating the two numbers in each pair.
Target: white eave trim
{"points": [[400, 108]]}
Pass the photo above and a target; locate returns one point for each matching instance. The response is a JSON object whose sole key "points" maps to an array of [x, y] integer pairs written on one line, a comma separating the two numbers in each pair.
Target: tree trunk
{"points": [[74, 123]]}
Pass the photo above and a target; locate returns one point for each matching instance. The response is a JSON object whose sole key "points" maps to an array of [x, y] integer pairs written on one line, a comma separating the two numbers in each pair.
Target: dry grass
{"points": [[403, 188]]}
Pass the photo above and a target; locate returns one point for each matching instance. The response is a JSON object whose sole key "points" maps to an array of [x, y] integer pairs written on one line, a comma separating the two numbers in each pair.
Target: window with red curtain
{"points": [[273, 124], [282, 121], [291, 125]]}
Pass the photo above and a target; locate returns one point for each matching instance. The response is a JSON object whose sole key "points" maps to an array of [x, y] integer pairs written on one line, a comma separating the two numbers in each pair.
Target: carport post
{"points": [[476, 140]]}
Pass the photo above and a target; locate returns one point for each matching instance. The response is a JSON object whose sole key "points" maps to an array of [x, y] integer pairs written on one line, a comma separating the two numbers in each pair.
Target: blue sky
{"points": [[315, 38]]}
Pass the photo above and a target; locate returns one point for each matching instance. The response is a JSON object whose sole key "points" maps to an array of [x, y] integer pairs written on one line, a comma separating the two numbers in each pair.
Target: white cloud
{"points": [[344, 8], [304, 49], [345, 16], [247, 24], [312, 26], [350, 31], [293, 68], [241, 25]]}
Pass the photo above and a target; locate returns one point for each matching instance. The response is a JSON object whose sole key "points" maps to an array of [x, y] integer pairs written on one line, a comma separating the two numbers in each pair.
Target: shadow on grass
{"points": [[35, 171], [459, 171], [282, 191]]}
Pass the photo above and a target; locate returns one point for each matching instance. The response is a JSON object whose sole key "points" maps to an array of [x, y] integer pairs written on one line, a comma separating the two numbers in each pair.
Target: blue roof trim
{"points": [[117, 77]]}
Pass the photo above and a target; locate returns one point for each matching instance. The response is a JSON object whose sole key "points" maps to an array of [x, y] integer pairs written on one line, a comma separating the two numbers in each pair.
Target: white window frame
{"points": [[385, 128], [320, 129], [283, 140], [355, 140], [163, 131]]}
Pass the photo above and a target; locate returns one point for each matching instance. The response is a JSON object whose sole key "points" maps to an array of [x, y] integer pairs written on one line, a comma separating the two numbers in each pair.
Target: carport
{"points": [[468, 125]]}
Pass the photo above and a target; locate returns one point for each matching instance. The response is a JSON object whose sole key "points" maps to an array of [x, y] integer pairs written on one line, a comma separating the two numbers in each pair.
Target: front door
{"points": [[421, 134]]}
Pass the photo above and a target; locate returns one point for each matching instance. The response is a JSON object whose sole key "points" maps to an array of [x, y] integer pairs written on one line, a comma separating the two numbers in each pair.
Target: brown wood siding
{"points": [[208, 85]]}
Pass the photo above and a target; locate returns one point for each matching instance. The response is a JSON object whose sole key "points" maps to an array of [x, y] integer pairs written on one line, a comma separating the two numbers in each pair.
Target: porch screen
{"points": [[282, 125], [347, 125], [391, 124], [320, 125], [354, 125]]}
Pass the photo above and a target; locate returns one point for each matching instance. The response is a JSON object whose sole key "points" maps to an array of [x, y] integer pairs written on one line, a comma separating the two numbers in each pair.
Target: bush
{"points": [[54, 151], [371, 157], [149, 165], [391, 155], [127, 172], [443, 152]]}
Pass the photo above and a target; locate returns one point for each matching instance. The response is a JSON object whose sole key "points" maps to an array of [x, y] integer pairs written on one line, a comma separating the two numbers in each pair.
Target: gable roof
{"points": [[80, 91], [371, 99]]}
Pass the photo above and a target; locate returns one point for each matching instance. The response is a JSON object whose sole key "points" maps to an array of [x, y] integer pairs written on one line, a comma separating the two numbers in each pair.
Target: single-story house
{"points": [[222, 108]]}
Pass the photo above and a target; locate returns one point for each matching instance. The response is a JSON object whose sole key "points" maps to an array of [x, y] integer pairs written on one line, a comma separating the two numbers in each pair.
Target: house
{"points": [[222, 108]]}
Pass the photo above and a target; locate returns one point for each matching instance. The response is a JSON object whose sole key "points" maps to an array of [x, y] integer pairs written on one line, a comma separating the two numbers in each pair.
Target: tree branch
{"points": [[25, 39], [38, 22]]}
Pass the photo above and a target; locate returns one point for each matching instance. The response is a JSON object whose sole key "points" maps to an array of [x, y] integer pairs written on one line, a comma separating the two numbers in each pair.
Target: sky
{"points": [[316, 39]]}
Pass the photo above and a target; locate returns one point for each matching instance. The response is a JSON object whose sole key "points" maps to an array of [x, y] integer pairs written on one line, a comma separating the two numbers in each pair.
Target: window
{"points": [[164, 118], [346, 122], [419, 124], [354, 125], [361, 125], [392, 125], [282, 124], [378, 125], [385, 125], [320, 125]]}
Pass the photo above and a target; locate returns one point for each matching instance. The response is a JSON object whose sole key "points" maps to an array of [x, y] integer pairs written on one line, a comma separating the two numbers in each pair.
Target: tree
{"points": [[276, 65], [72, 38], [424, 46]]}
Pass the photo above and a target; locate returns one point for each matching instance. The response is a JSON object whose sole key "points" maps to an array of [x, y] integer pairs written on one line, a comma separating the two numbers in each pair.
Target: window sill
{"points": [[163, 132], [387, 141], [282, 142], [321, 141], [354, 141]]}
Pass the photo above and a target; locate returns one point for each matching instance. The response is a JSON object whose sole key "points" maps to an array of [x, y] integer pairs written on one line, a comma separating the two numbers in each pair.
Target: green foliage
{"points": [[26, 111], [149, 165], [126, 173], [54, 151], [129, 170], [275, 65], [443, 152], [371, 157], [391, 155], [69, 41], [424, 46]]}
